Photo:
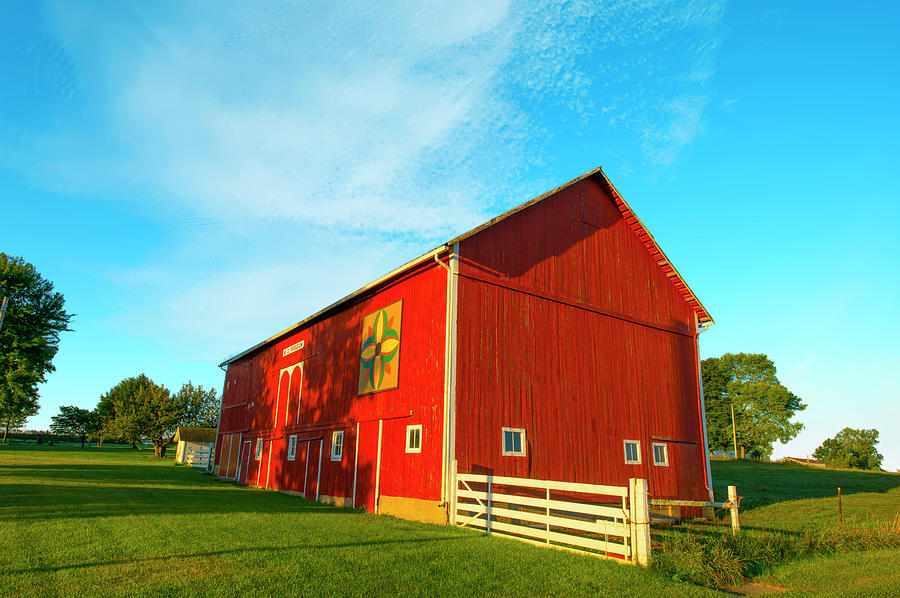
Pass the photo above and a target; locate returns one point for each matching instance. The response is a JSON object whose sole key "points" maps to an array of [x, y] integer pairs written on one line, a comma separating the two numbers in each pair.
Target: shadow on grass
{"points": [[178, 558], [45, 492], [762, 484]]}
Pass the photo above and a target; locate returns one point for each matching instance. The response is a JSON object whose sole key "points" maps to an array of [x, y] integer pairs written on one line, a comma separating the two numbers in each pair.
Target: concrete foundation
{"points": [[414, 509]]}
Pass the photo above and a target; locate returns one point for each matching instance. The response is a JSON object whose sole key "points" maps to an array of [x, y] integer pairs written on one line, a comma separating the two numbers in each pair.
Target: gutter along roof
{"points": [[630, 218]]}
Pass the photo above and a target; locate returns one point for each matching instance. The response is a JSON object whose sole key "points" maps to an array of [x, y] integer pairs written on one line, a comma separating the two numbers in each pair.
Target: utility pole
{"points": [[3, 311], [733, 431]]}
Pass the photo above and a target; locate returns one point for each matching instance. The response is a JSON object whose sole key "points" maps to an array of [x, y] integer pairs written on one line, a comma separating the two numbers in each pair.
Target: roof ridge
{"points": [[631, 218]]}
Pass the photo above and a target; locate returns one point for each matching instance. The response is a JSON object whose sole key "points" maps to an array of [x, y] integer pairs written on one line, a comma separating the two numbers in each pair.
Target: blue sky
{"points": [[197, 176]]}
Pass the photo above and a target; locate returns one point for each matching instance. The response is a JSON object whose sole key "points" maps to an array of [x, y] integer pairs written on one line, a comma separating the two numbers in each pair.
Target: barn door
{"points": [[244, 464], [366, 465], [228, 460], [313, 469], [262, 466], [222, 455]]}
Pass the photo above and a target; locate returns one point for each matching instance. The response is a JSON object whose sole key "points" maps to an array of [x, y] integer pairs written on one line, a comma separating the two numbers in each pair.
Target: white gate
{"points": [[600, 520], [197, 456]]}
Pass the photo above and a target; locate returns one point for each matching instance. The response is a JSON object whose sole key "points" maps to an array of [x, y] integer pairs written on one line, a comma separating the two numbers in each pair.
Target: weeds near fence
{"points": [[709, 555]]}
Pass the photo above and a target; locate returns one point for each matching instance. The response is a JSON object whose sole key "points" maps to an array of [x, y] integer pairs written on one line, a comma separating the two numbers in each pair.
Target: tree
{"points": [[14, 422], [74, 421], [156, 416], [29, 338], [201, 406], [139, 409], [763, 406], [851, 448], [114, 411]]}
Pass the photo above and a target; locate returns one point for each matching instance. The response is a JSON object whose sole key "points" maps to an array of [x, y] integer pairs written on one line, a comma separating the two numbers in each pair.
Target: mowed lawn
{"points": [[115, 522], [118, 522]]}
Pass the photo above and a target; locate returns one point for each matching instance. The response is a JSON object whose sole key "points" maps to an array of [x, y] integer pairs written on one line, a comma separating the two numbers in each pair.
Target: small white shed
{"points": [[194, 446]]}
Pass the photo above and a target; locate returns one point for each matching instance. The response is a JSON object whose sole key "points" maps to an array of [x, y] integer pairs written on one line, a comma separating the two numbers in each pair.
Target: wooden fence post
{"points": [[487, 511], [548, 515], [454, 489], [631, 527], [641, 518], [733, 507]]}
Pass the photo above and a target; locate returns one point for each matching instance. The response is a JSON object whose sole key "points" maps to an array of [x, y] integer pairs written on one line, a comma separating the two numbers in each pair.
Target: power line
{"points": [[23, 322]]}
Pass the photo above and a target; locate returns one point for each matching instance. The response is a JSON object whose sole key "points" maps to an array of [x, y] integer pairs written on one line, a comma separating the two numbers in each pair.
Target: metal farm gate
{"points": [[607, 521]]}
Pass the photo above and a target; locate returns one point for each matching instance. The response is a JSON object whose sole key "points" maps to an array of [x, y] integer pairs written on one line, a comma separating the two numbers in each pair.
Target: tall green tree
{"points": [[29, 338], [763, 407], [115, 410], [201, 406], [74, 421], [138, 409], [851, 448], [156, 416]]}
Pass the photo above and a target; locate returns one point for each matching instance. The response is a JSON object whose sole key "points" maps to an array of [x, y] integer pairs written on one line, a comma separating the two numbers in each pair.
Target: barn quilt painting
{"points": [[379, 356]]}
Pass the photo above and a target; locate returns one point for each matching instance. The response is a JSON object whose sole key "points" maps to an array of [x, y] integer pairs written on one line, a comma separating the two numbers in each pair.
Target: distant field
{"points": [[117, 522], [792, 533], [793, 497]]}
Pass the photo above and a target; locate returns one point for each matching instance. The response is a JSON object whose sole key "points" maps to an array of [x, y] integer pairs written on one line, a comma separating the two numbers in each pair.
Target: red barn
{"points": [[555, 342]]}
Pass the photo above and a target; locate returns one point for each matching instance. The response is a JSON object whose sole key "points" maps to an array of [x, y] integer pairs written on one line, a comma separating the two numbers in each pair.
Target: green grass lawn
{"points": [[118, 522], [791, 533], [792, 497]]}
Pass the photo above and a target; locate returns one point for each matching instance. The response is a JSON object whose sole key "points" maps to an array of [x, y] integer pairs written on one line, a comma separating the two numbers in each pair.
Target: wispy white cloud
{"points": [[389, 124], [314, 113]]}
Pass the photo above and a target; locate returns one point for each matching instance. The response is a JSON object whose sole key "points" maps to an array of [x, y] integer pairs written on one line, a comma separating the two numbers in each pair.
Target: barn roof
{"points": [[627, 213], [195, 434]]}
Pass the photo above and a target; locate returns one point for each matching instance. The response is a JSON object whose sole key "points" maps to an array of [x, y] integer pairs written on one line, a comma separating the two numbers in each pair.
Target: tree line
{"points": [[747, 406], [138, 410], [748, 409]]}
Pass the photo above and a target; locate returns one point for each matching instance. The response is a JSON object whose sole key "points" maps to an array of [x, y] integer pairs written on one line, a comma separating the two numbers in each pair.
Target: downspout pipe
{"points": [[448, 432], [212, 462], [442, 264], [700, 330]]}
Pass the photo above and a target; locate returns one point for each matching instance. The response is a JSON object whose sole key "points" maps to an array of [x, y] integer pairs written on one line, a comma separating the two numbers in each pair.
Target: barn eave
{"points": [[703, 317]]}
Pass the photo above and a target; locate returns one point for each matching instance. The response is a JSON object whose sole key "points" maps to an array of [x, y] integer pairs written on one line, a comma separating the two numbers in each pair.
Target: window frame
{"points": [[513, 453], [665, 448], [292, 447], [337, 440], [409, 430], [637, 443], [257, 454]]}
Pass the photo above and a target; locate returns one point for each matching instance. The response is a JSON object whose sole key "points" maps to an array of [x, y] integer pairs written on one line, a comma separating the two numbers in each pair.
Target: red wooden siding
{"points": [[569, 329], [262, 400], [571, 324], [576, 245]]}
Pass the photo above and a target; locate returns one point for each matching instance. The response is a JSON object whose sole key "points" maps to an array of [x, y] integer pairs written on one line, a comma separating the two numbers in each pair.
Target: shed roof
{"points": [[627, 213], [195, 434]]}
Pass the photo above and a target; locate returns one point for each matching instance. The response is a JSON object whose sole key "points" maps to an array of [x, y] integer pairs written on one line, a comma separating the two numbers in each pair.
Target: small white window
{"points": [[258, 455], [337, 446], [514, 442], [633, 452], [292, 448], [414, 439], [660, 454]]}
